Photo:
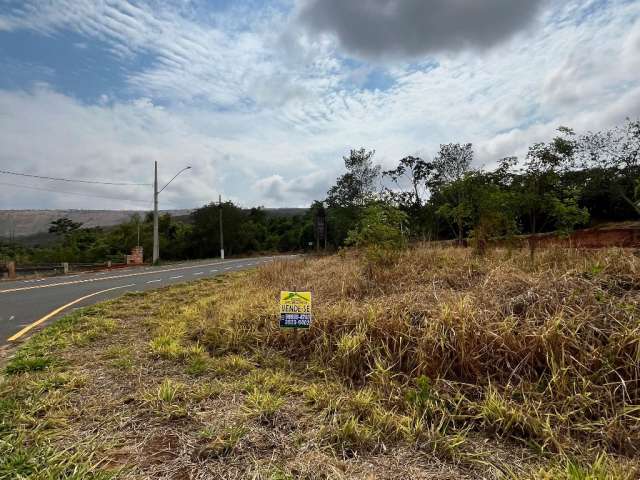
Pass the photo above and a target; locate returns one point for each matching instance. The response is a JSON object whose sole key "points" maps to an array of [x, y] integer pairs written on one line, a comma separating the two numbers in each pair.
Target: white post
{"points": [[11, 268], [221, 236], [156, 239]]}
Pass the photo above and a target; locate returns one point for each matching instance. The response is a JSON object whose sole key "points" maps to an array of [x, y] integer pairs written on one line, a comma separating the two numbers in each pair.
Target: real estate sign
{"points": [[295, 309]]}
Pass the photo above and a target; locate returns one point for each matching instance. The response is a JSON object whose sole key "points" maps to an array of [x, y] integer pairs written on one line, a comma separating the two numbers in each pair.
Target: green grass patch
{"points": [[263, 405], [27, 363], [21, 459], [221, 443]]}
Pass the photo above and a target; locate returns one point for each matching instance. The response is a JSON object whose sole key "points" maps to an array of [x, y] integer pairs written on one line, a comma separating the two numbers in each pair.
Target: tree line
{"points": [[245, 231], [571, 181]]}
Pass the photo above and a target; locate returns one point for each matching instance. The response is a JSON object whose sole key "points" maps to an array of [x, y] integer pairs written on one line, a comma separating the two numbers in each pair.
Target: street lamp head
{"points": [[174, 177]]}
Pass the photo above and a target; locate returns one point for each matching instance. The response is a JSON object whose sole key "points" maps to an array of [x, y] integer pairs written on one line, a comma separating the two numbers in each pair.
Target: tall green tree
{"points": [[357, 186], [409, 191], [205, 241], [613, 158], [414, 172], [450, 166], [351, 193], [494, 212], [542, 196]]}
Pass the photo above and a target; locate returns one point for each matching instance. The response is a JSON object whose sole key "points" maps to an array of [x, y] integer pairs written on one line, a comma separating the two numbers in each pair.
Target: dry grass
{"points": [[440, 365], [548, 353]]}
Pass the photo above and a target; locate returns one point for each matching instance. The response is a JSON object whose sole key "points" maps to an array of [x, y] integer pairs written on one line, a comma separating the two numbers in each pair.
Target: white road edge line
{"points": [[90, 280]]}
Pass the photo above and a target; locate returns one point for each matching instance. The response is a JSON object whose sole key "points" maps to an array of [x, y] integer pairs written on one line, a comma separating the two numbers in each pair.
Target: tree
{"points": [[380, 225], [542, 195], [452, 162], [493, 213], [450, 166], [567, 213], [380, 233], [64, 226], [205, 241], [409, 191], [614, 158], [541, 176], [414, 171], [351, 193], [356, 187]]}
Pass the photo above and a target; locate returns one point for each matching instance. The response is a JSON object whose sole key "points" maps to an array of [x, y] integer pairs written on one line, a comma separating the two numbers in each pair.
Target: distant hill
{"points": [[22, 223], [25, 223], [286, 212]]}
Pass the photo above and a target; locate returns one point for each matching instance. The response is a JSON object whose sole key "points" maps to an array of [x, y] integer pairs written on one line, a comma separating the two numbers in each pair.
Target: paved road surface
{"points": [[24, 302]]}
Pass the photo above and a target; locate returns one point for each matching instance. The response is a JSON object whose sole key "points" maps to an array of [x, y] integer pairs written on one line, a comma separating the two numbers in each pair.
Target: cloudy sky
{"points": [[262, 98]]}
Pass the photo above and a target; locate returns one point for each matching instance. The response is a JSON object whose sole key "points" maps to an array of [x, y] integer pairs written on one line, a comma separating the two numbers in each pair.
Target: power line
{"points": [[73, 193], [76, 181]]}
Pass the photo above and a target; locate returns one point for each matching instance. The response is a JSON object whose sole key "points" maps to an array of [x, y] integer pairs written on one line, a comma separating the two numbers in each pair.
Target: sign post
{"points": [[295, 309], [320, 228]]}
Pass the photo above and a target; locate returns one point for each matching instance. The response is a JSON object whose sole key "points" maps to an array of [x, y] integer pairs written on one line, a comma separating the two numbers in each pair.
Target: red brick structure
{"points": [[136, 257]]}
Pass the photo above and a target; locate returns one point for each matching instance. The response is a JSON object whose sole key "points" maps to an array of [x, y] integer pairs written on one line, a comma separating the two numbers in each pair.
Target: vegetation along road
{"points": [[26, 304], [430, 364]]}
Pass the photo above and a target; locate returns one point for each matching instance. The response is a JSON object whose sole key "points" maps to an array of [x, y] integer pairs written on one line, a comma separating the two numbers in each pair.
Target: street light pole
{"points": [[156, 192], [156, 237], [221, 236]]}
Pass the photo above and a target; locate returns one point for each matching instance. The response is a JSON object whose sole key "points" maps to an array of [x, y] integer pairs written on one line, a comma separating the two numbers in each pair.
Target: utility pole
{"points": [[12, 228], [156, 192], [221, 236], [156, 239]]}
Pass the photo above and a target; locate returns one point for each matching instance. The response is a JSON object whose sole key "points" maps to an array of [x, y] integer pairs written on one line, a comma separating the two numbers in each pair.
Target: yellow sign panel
{"points": [[295, 309]]}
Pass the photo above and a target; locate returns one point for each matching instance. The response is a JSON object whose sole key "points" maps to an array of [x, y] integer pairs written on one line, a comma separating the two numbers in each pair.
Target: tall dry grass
{"points": [[546, 352]]}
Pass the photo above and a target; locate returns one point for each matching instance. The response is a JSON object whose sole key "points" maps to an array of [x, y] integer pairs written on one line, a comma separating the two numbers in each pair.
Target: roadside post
{"points": [[320, 227], [221, 235], [11, 269]]}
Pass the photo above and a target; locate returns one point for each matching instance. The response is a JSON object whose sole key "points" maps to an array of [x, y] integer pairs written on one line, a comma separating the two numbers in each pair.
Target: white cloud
{"points": [[47, 133], [296, 190], [264, 115]]}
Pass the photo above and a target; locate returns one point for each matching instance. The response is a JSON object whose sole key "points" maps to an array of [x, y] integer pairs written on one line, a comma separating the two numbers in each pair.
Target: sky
{"points": [[262, 98]]}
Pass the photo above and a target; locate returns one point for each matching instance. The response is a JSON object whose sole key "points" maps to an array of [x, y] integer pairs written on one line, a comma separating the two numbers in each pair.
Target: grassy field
{"points": [[434, 364]]}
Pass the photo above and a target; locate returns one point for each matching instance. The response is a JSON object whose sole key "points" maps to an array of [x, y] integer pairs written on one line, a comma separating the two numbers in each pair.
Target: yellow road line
{"points": [[101, 279], [58, 310]]}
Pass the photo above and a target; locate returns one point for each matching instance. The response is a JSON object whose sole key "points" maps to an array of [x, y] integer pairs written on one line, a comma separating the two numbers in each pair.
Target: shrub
{"points": [[380, 226]]}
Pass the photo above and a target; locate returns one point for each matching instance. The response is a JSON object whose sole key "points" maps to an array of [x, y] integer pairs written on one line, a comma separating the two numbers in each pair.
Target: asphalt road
{"points": [[24, 302]]}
